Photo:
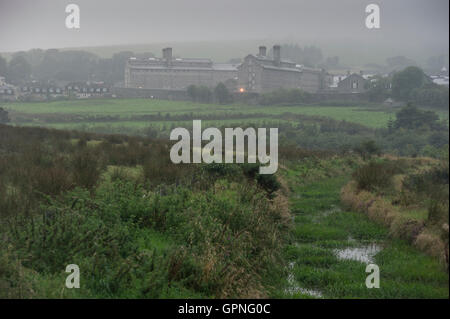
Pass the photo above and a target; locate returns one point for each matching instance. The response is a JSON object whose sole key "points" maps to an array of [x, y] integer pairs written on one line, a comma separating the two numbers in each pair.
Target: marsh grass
{"points": [[137, 225], [320, 228], [415, 210]]}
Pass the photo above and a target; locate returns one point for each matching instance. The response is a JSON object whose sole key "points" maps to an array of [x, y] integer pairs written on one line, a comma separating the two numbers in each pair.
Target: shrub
{"points": [[221, 169], [430, 187], [86, 168], [410, 117], [367, 149], [162, 171], [438, 212], [200, 94], [222, 94], [268, 182], [14, 282], [4, 118], [376, 176], [151, 132], [51, 181]]}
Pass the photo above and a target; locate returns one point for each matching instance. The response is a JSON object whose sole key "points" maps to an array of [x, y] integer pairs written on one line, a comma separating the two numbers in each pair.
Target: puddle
{"points": [[364, 254], [294, 288]]}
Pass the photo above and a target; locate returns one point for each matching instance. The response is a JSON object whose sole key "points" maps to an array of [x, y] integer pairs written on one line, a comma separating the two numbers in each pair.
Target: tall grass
{"points": [[166, 231]]}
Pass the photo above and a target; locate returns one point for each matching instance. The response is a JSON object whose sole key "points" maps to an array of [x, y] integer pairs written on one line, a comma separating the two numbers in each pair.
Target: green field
{"points": [[125, 111], [127, 116]]}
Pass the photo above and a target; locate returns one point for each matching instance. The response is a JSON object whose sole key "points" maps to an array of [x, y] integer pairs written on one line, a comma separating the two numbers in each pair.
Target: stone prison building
{"points": [[171, 73], [256, 74]]}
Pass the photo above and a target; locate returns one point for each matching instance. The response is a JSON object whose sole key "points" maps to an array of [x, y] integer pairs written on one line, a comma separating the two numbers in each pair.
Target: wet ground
{"points": [[331, 247]]}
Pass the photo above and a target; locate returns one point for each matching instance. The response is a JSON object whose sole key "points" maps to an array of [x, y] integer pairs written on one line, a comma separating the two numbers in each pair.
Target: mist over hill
{"points": [[416, 29]]}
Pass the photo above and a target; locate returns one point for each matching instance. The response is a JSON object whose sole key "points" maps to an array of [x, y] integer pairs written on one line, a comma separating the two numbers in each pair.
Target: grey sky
{"points": [[405, 24]]}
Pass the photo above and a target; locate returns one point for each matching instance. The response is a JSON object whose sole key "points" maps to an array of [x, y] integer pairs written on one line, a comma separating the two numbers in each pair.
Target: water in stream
{"points": [[294, 288], [364, 254]]}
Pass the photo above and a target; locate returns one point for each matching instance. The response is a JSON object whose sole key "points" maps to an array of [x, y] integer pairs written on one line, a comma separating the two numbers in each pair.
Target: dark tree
{"points": [[4, 118], [118, 65], [378, 90], [412, 118], [67, 65], [199, 93], [404, 82], [19, 69], [204, 94], [222, 94], [192, 92], [3, 66], [368, 149]]}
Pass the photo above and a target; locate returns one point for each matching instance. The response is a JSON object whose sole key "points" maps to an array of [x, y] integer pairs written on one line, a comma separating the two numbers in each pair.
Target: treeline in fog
{"points": [[58, 65]]}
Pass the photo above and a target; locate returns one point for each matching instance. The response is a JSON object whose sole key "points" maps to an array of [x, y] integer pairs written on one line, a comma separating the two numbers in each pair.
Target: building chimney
{"points": [[167, 55], [277, 54], [262, 51]]}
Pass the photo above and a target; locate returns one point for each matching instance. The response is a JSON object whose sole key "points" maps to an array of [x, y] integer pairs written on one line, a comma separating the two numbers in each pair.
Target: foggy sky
{"points": [[405, 24]]}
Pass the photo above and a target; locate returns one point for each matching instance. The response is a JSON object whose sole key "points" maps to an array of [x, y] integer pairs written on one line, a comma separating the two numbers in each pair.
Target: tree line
{"points": [[70, 65], [203, 94], [409, 85]]}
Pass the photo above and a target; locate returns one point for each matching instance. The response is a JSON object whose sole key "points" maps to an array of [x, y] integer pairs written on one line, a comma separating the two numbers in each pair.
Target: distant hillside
{"points": [[350, 54]]}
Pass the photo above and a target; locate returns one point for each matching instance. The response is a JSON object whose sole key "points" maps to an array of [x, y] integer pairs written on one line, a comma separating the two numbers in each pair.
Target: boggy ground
{"points": [[330, 246]]}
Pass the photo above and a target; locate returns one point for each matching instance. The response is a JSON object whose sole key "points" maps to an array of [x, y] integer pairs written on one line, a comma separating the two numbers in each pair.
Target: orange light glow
{"points": [[241, 90]]}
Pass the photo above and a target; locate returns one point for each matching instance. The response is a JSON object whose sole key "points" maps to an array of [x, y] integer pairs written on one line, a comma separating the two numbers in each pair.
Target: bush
{"points": [[51, 181], [412, 118], [86, 167], [376, 176], [434, 96], [368, 149], [222, 94], [431, 187], [159, 169], [221, 169], [4, 118], [200, 94], [427, 183], [268, 182]]}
